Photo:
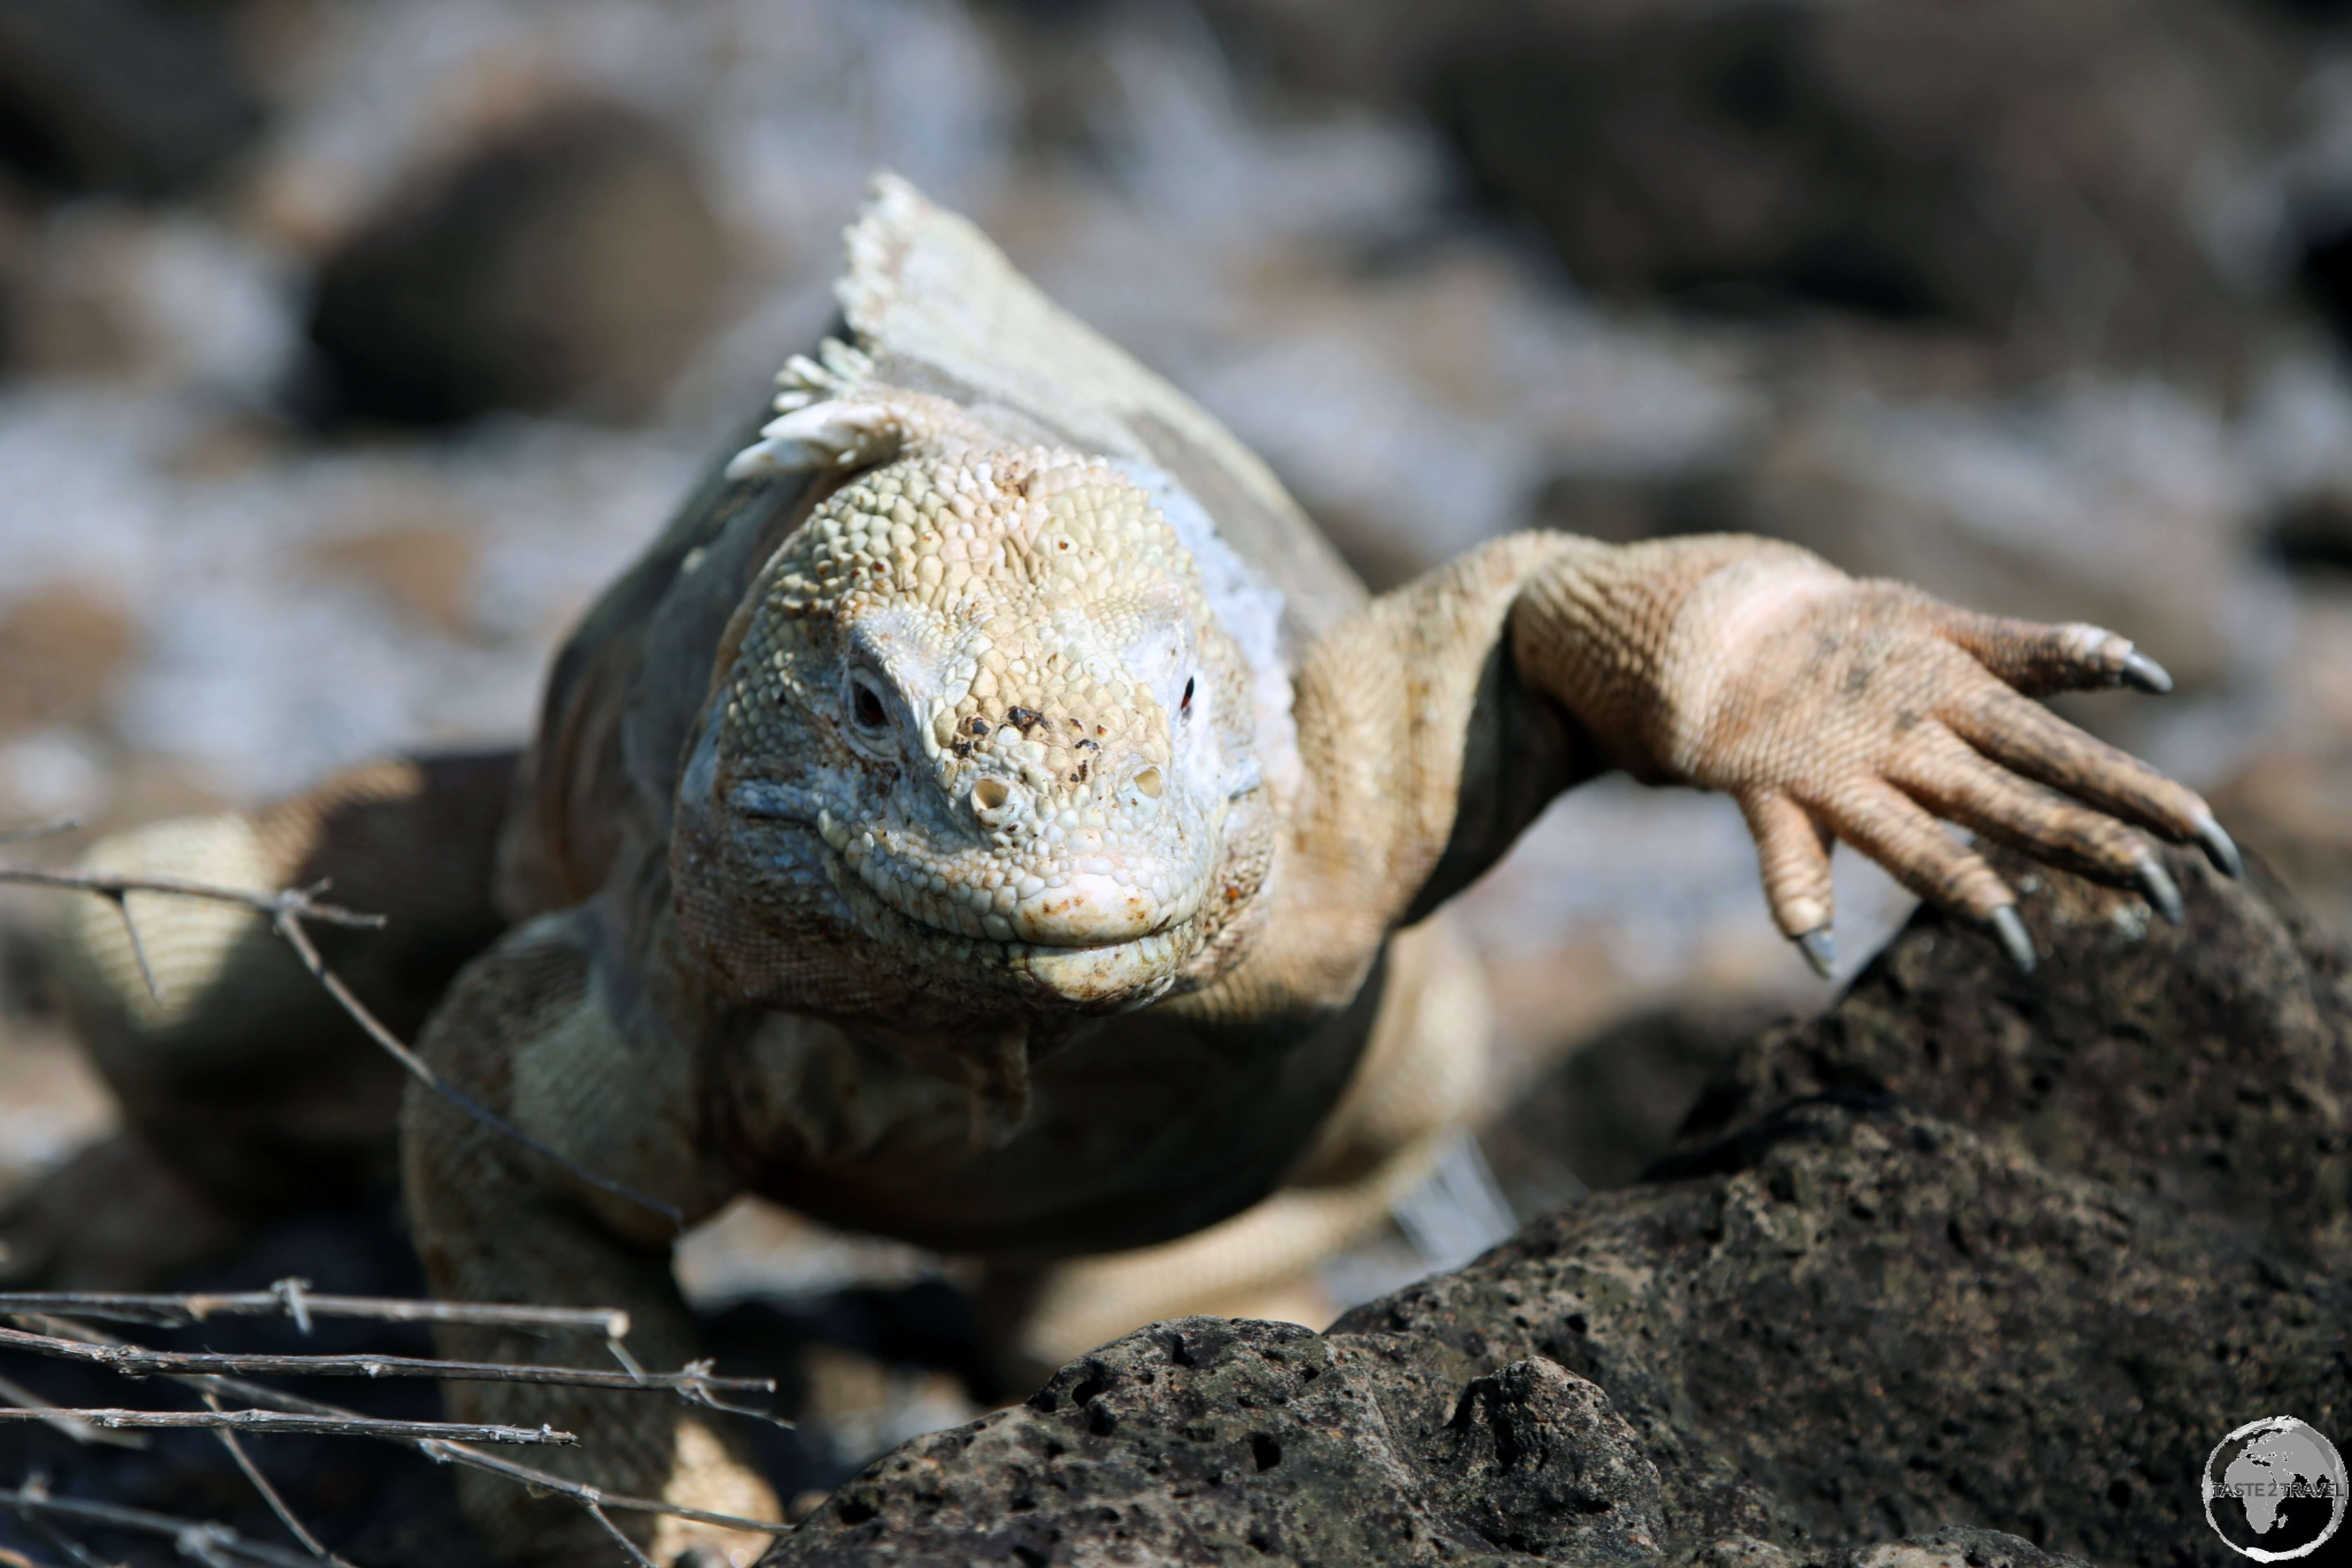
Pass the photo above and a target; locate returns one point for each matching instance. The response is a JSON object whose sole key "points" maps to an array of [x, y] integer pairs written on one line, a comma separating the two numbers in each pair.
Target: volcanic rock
{"points": [[1977, 1268]]}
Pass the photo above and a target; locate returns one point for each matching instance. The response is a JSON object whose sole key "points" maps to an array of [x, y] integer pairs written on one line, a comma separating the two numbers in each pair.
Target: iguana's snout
{"points": [[1021, 778], [1080, 838]]}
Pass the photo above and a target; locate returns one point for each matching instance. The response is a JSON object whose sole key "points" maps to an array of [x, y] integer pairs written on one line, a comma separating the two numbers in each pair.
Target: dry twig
{"points": [[637, 1555], [269, 1494], [192, 1539], [76, 1553], [293, 1298], [588, 1496], [17, 1393], [695, 1384], [440, 1451], [346, 1425], [286, 910]]}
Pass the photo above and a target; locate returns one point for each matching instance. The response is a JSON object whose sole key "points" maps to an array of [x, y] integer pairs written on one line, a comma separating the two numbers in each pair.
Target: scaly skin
{"points": [[989, 816]]}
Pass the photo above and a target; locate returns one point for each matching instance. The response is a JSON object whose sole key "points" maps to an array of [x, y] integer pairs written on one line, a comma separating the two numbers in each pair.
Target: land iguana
{"points": [[990, 816]]}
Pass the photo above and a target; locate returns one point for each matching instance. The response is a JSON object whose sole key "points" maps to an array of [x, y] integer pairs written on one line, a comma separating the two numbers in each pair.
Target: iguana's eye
{"points": [[866, 704], [1185, 707]]}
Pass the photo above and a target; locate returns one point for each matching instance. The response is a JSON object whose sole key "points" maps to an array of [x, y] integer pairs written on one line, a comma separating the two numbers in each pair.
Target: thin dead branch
{"points": [[279, 1420], [695, 1383], [293, 1299], [439, 1451], [192, 1538], [582, 1493], [269, 1494], [637, 1555], [286, 910], [17, 1393], [298, 939], [76, 1553], [294, 903]]}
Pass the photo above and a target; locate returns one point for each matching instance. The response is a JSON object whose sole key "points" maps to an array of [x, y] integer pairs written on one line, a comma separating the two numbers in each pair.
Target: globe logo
{"points": [[2275, 1490]]}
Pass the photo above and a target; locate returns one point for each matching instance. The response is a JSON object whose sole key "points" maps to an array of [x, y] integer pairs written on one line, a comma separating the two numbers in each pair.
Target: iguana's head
{"points": [[976, 729]]}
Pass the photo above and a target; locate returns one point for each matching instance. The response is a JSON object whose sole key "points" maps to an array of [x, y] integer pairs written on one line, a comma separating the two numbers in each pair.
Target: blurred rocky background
{"points": [[347, 346]]}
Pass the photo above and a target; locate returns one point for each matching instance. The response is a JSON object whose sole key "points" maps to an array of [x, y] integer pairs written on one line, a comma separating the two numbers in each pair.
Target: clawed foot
{"points": [[1867, 711]]}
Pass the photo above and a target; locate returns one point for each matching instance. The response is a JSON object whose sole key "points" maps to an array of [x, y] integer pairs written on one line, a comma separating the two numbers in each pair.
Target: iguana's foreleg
{"points": [[1864, 711], [1828, 707], [534, 1031]]}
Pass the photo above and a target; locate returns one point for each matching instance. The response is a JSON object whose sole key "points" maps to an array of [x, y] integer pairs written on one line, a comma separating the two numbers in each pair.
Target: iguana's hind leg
{"points": [[599, 1071], [1420, 1084], [244, 1087]]}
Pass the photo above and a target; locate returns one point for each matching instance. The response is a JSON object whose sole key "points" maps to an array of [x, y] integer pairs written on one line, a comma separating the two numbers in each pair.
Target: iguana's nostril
{"points": [[997, 802]]}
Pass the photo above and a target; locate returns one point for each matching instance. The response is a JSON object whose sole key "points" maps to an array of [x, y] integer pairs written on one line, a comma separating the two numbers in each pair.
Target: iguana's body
{"points": [[991, 606]]}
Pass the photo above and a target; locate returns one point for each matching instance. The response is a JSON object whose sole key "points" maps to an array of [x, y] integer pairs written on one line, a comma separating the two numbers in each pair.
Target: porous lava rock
{"points": [[1976, 1268], [2209, 1065]]}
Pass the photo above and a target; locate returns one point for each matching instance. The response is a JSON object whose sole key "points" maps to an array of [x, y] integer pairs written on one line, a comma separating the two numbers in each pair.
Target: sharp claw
{"points": [[2007, 926], [2158, 883], [2219, 849], [2145, 673], [1820, 949]]}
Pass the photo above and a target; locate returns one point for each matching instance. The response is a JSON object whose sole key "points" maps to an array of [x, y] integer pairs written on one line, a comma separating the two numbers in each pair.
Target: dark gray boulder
{"points": [[569, 260], [1972, 1270], [140, 97], [2210, 1065]]}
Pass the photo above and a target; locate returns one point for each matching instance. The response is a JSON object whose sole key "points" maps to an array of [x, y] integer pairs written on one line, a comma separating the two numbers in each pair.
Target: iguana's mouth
{"points": [[1080, 931], [1113, 974], [1085, 903], [1077, 912]]}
